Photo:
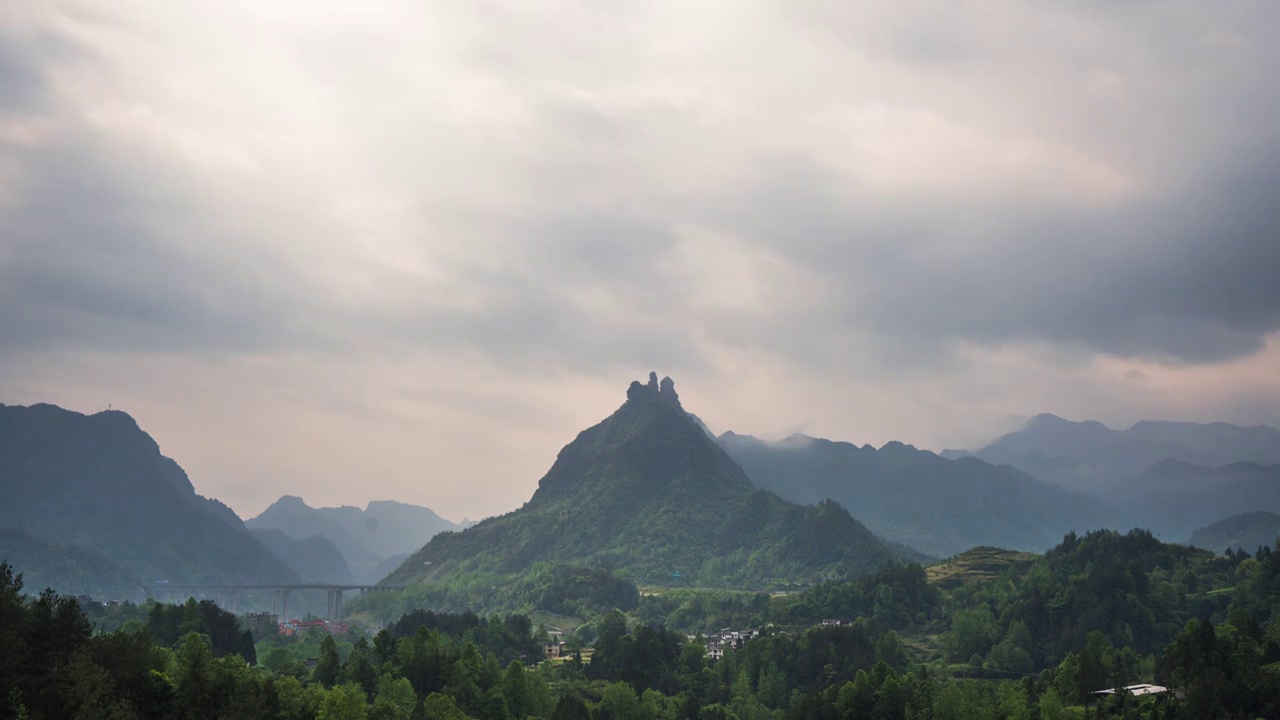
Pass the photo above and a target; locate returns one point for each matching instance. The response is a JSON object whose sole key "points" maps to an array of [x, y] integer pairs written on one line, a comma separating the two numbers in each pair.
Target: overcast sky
{"points": [[364, 249]]}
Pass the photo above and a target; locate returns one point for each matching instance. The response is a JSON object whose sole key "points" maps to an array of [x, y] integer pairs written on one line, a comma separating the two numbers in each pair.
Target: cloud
{"points": [[802, 209]]}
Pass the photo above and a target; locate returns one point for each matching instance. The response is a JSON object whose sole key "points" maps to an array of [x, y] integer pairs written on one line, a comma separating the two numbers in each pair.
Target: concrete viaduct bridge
{"points": [[226, 594]]}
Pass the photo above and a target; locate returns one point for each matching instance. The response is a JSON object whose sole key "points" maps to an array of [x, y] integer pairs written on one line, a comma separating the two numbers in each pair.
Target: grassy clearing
{"points": [[976, 565]]}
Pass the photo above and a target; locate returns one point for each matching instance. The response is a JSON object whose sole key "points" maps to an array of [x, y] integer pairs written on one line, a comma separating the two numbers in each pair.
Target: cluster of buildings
{"points": [[726, 639], [265, 623], [719, 641], [295, 627]]}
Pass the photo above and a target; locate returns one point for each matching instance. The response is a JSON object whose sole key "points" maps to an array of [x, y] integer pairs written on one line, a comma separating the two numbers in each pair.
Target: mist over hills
{"points": [[647, 491], [1091, 457], [366, 539], [939, 506], [314, 558], [1174, 498], [1246, 531], [99, 483]]}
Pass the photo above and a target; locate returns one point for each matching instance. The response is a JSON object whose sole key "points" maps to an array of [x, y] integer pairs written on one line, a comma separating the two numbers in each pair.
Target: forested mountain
{"points": [[70, 570], [649, 493], [1092, 457], [1246, 531], [315, 558], [366, 538], [99, 482], [915, 497]]}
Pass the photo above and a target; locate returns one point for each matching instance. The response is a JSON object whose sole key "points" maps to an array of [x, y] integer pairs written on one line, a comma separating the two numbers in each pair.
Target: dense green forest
{"points": [[1033, 641]]}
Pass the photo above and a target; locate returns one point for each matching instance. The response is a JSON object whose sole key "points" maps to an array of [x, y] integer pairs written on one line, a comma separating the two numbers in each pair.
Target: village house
{"points": [[555, 650]]}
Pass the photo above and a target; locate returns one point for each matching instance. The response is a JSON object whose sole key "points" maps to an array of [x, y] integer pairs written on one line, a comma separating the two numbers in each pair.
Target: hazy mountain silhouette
{"points": [[98, 482], [939, 506], [1174, 499], [315, 558], [365, 538], [1092, 457]]}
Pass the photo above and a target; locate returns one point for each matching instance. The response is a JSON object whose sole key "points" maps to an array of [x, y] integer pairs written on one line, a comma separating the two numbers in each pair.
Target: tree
{"points": [[344, 702], [384, 647], [395, 699], [1014, 651], [889, 704], [93, 695], [193, 668], [716, 711], [328, 666], [772, 686], [441, 707], [618, 702], [1051, 705], [1094, 671], [1013, 702], [570, 707], [296, 701], [847, 701], [359, 667]]}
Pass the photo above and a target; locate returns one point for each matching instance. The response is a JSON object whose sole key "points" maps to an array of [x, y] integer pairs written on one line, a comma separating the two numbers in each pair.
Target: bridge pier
{"points": [[280, 603], [334, 603], [227, 599]]}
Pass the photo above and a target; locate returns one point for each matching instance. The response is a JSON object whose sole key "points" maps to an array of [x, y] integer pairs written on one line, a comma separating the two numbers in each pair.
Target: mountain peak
{"points": [[287, 505], [664, 391], [648, 490]]}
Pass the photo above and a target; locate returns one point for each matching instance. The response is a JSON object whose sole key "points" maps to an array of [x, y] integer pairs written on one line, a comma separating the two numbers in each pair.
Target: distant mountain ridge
{"points": [[1092, 457], [938, 506], [649, 493], [98, 482], [366, 538]]}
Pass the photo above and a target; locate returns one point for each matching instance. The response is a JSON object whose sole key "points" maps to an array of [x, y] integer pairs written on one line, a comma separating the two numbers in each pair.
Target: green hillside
{"points": [[648, 493], [69, 570]]}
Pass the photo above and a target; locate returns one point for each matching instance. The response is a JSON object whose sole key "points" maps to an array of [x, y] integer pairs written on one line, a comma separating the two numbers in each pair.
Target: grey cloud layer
{"points": [[570, 233]]}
